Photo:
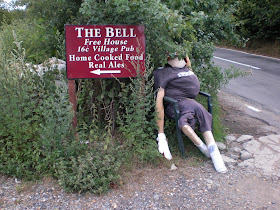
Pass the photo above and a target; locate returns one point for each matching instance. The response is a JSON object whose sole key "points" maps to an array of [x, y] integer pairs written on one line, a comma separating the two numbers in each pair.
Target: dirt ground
{"points": [[238, 119]]}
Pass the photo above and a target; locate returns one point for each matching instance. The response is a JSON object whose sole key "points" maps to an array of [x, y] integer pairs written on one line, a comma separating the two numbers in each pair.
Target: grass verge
{"points": [[259, 47]]}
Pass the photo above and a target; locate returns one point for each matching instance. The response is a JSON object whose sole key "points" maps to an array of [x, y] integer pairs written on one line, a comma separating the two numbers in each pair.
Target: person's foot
{"points": [[203, 148], [217, 158], [163, 148]]}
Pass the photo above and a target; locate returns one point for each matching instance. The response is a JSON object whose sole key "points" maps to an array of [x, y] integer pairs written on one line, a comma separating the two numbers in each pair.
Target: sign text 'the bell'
{"points": [[110, 32]]}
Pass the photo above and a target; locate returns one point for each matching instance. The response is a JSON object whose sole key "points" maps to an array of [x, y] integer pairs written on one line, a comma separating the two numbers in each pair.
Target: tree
{"points": [[190, 27], [4, 16], [259, 19], [7, 16], [166, 29], [55, 13], [40, 26]]}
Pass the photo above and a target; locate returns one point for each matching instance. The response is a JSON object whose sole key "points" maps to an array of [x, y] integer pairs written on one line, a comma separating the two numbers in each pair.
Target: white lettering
{"points": [[111, 57], [71, 57], [127, 49], [124, 33], [89, 32], [79, 58], [134, 57], [95, 42], [93, 65], [97, 32], [114, 64], [185, 74], [90, 65], [79, 31], [115, 42], [105, 49], [109, 32], [118, 32], [132, 33]]}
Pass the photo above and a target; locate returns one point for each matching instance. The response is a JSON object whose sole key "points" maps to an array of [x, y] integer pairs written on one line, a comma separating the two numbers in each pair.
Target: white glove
{"points": [[163, 146]]}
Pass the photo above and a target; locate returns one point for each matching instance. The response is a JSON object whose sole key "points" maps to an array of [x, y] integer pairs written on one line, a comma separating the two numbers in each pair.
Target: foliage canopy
{"points": [[258, 19]]}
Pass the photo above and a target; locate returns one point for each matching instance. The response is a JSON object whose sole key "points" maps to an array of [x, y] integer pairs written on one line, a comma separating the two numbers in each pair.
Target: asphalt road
{"points": [[262, 87]]}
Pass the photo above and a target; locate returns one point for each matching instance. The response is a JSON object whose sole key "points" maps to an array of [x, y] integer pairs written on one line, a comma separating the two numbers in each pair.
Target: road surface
{"points": [[261, 89]]}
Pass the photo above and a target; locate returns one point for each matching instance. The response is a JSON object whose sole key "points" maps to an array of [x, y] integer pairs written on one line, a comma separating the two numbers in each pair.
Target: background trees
{"points": [[258, 19]]}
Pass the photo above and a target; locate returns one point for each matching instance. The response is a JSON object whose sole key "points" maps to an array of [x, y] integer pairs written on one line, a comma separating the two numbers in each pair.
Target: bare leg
{"points": [[189, 132], [211, 144], [208, 137]]}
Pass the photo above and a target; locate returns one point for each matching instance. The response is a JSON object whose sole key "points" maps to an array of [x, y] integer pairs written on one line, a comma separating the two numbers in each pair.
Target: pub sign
{"points": [[104, 51]]}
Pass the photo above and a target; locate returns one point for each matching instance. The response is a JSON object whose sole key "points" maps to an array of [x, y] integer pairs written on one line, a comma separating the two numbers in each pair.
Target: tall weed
{"points": [[35, 117], [127, 107], [137, 119]]}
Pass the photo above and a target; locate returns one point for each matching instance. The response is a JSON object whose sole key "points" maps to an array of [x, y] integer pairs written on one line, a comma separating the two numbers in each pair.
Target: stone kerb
{"points": [[247, 152]]}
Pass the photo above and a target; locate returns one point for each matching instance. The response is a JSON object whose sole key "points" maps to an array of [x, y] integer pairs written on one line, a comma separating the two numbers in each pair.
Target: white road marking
{"points": [[253, 108], [253, 67]]}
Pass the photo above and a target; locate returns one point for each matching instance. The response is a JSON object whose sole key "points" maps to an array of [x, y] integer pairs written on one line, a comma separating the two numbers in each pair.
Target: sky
{"points": [[8, 4]]}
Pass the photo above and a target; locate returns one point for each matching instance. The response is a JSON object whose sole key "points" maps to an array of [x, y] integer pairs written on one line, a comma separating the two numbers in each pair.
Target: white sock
{"points": [[203, 148], [217, 158]]}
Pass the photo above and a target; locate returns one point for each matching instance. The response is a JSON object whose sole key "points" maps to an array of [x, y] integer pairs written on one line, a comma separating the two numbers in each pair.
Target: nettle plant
{"points": [[125, 107], [118, 127], [36, 133], [35, 117]]}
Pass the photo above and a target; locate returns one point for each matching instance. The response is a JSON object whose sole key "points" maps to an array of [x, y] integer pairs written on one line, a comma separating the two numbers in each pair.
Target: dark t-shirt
{"points": [[179, 83]]}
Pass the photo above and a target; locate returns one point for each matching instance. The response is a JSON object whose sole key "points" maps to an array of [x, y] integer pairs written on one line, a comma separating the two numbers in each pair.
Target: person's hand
{"points": [[163, 146], [189, 64]]}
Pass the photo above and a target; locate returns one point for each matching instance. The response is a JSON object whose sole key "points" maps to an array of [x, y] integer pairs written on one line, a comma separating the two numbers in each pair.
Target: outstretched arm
{"points": [[162, 142], [189, 64], [160, 110]]}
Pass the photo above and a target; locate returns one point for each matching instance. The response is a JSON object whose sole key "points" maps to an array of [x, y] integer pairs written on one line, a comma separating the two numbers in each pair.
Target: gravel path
{"points": [[188, 187]]}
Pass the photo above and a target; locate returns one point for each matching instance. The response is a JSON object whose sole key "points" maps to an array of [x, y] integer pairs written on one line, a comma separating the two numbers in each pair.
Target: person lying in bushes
{"points": [[178, 81]]}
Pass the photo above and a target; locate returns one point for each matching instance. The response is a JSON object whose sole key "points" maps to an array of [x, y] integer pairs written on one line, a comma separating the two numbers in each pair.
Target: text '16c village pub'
{"points": [[104, 51]]}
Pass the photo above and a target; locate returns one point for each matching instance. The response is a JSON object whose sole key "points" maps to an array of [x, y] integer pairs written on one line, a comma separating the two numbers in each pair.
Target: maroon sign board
{"points": [[104, 51]]}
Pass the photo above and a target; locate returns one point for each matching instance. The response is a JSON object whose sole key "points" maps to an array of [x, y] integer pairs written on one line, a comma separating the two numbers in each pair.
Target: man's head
{"points": [[175, 62]]}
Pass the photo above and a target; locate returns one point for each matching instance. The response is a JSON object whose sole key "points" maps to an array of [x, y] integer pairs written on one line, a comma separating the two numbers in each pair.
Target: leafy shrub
{"points": [[35, 118], [137, 119], [258, 21], [95, 171], [124, 105], [38, 42]]}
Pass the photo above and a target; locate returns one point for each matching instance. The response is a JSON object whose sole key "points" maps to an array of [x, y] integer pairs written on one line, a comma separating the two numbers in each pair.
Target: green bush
{"points": [[38, 42], [184, 27], [258, 20], [36, 134], [35, 118], [95, 171], [124, 105], [136, 120]]}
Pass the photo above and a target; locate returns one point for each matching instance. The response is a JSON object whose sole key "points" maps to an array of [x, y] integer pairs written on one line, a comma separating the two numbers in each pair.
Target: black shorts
{"points": [[191, 113]]}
